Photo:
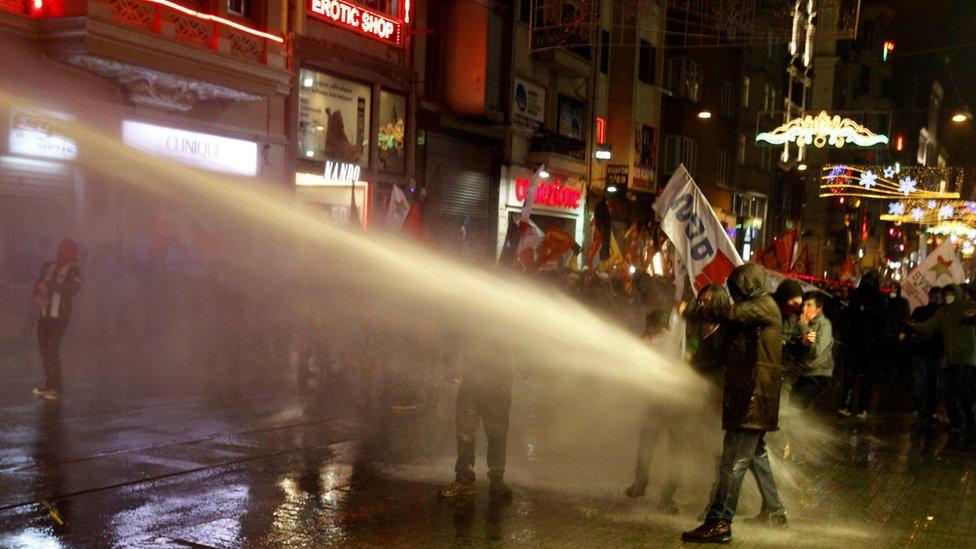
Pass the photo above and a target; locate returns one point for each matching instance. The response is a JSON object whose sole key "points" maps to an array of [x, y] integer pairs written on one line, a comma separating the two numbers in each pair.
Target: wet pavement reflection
{"points": [[280, 469]]}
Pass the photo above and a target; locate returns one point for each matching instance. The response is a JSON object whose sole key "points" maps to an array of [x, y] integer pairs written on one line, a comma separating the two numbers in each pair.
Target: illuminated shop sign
{"points": [[39, 136], [341, 172], [551, 193], [201, 150], [357, 19]]}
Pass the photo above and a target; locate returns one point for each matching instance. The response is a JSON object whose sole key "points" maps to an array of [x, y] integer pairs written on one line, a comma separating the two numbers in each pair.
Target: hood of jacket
{"points": [[749, 280]]}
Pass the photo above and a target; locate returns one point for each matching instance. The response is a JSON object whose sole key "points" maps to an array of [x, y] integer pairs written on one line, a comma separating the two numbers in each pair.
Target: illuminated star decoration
{"points": [[932, 204], [868, 180], [907, 185], [889, 172], [918, 213], [896, 208], [945, 211], [971, 207], [941, 268]]}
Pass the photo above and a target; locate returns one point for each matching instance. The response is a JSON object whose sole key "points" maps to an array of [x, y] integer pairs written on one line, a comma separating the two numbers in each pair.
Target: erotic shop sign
{"points": [[355, 18]]}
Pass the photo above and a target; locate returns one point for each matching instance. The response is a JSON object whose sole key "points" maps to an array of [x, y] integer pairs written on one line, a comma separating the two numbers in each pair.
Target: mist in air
{"points": [[256, 289]]}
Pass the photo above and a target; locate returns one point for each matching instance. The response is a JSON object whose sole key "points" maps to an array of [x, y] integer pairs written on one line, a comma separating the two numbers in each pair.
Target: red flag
{"points": [[802, 265], [555, 243], [413, 225], [847, 271], [715, 272], [778, 255]]}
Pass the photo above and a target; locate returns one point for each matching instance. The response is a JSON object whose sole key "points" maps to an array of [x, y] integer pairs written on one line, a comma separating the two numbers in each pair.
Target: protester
{"points": [[657, 423], [957, 324], [863, 343], [809, 348], [896, 317], [57, 284], [485, 395], [927, 354], [750, 400], [789, 298]]}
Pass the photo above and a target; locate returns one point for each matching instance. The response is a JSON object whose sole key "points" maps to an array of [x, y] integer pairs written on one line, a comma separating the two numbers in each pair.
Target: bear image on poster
{"points": [[337, 145]]}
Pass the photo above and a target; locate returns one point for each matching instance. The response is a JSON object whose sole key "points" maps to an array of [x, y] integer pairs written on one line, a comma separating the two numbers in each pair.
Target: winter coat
{"points": [[929, 346], [958, 329], [810, 360], [866, 320], [753, 363]]}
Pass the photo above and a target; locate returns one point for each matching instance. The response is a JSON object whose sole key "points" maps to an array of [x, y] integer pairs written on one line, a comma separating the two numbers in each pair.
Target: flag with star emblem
{"points": [[941, 267]]}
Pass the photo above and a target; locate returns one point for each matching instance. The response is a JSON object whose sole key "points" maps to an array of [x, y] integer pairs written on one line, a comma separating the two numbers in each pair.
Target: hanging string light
{"points": [[908, 182]]}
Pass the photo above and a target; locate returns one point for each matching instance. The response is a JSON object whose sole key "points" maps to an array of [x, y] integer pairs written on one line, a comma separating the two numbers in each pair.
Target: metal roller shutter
{"points": [[459, 193]]}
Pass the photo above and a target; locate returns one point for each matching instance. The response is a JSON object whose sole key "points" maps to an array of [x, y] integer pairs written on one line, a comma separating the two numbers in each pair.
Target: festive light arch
{"points": [[931, 212], [822, 130], [914, 182]]}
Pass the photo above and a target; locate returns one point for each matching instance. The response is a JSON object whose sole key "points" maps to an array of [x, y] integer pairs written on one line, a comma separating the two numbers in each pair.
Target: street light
{"points": [[962, 116], [705, 114], [801, 167]]}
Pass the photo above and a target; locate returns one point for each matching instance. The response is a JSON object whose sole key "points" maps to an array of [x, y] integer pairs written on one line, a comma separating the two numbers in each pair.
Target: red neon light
{"points": [[357, 19], [900, 143], [38, 4], [549, 194], [214, 18], [406, 11], [601, 130]]}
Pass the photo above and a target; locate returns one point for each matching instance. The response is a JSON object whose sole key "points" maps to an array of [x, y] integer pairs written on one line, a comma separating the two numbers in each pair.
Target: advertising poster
{"points": [[570, 117], [529, 107], [333, 118]]}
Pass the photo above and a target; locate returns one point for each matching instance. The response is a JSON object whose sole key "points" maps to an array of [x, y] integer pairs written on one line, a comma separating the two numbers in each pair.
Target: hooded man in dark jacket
{"points": [[750, 407], [958, 326], [864, 337]]}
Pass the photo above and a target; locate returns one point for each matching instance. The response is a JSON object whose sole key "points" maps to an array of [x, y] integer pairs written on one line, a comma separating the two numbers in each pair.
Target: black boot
{"points": [[637, 489], [711, 531]]}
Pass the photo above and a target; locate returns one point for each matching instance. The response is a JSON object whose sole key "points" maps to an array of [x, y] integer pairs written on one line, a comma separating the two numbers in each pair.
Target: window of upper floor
{"points": [[685, 78]]}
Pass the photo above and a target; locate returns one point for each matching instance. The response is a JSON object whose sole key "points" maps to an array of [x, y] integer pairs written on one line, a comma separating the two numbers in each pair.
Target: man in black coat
{"points": [[750, 400]]}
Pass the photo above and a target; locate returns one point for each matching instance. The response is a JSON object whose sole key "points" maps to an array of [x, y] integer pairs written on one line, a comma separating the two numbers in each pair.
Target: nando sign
{"points": [[201, 150], [357, 19]]}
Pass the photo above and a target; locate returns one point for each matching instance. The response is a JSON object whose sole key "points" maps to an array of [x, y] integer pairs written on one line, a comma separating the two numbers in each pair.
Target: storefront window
{"points": [[392, 154], [333, 119]]}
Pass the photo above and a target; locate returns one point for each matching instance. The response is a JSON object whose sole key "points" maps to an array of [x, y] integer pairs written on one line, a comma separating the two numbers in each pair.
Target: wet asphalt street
{"points": [[258, 464]]}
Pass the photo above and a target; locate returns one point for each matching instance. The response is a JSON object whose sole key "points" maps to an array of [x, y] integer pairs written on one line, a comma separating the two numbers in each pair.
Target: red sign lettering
{"points": [[550, 194], [358, 19]]}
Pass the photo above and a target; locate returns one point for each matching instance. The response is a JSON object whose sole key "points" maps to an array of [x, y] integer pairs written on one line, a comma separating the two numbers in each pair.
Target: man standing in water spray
{"points": [[750, 400], [485, 396], [57, 283]]}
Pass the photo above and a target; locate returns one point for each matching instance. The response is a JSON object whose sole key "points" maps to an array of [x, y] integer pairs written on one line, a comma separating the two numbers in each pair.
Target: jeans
{"points": [[489, 405], [49, 334], [960, 393], [744, 450], [808, 389], [925, 385]]}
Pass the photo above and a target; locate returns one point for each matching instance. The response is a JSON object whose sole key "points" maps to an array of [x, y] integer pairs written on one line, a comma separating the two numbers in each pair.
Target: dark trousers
{"points": [[859, 377], [742, 451], [925, 385], [50, 331], [808, 389], [655, 427], [960, 392], [488, 405]]}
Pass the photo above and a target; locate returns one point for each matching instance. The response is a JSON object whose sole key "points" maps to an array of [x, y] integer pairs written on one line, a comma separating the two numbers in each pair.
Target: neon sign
{"points": [[341, 172], [352, 17], [552, 194]]}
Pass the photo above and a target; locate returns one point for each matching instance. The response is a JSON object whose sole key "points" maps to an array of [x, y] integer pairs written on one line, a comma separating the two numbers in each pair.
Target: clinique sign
{"points": [[203, 150], [358, 19]]}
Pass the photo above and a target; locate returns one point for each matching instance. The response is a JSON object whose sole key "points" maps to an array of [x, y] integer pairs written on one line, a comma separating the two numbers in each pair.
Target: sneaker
{"points": [[863, 416], [39, 392], [768, 520], [458, 488], [52, 395], [844, 412], [499, 490], [711, 531]]}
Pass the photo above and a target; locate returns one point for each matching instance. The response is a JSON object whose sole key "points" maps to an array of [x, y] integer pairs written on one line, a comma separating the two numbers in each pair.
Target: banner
{"points": [[941, 267], [399, 208], [699, 239]]}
